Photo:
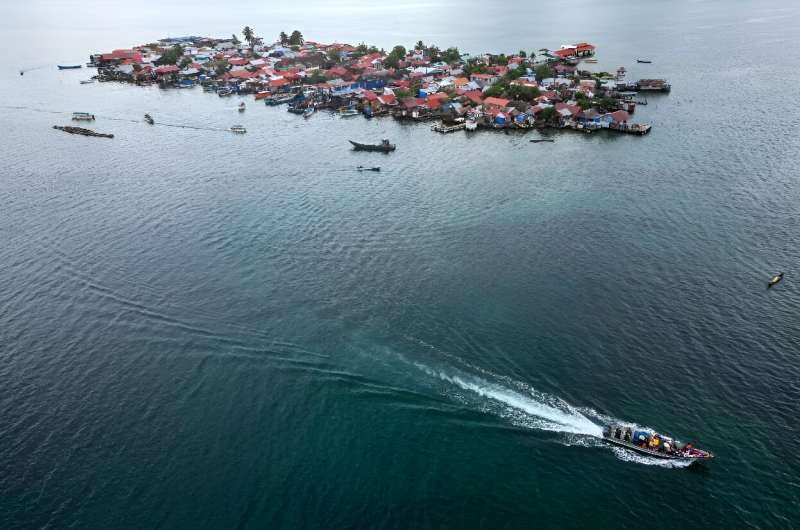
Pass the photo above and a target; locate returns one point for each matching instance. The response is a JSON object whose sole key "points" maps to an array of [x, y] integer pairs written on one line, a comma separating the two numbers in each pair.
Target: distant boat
{"points": [[383, 147], [471, 125], [309, 111], [362, 168], [238, 129], [242, 107], [69, 66], [590, 61], [149, 119], [774, 280], [278, 99], [82, 116], [540, 140], [643, 61], [87, 81]]}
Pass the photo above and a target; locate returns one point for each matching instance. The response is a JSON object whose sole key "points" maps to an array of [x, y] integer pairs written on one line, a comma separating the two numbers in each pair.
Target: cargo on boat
{"points": [[649, 443]]}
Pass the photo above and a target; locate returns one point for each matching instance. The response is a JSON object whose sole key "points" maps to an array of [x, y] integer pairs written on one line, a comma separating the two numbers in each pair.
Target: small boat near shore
{"points": [[87, 81], [69, 66], [643, 61], [541, 140], [348, 112], [383, 147], [278, 100], [310, 110], [653, 444], [82, 116]]}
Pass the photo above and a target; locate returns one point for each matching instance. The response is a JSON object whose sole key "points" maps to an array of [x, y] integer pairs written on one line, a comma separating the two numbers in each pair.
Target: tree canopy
{"points": [[296, 38], [249, 35], [543, 71], [170, 56], [394, 57], [284, 38]]}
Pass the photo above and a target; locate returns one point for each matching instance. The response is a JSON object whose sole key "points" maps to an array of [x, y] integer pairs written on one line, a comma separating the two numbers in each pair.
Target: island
{"points": [[523, 90]]}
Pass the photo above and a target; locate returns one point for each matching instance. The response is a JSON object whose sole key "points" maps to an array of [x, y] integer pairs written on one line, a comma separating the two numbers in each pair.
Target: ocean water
{"points": [[203, 330]]}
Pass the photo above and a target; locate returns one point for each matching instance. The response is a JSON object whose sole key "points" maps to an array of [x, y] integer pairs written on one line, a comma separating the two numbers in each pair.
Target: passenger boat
{"points": [[149, 119], [69, 66], [238, 129], [774, 280], [383, 147], [279, 99], [653, 444], [348, 112], [82, 116]]}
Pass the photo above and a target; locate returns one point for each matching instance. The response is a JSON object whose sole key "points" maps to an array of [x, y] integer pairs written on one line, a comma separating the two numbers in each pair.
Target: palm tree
{"points": [[420, 45], [284, 38], [248, 35]]}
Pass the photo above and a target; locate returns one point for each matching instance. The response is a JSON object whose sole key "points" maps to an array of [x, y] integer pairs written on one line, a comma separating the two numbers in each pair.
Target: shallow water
{"points": [[205, 330]]}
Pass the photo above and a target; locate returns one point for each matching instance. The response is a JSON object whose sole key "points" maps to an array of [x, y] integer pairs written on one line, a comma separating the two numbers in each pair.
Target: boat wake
{"points": [[524, 406]]}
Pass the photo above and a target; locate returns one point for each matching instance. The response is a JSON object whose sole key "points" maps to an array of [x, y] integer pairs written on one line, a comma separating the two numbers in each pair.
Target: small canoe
{"points": [[775, 280]]}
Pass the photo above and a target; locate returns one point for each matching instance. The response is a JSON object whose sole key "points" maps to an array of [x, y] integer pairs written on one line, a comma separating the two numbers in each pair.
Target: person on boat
{"points": [[627, 436], [618, 433]]}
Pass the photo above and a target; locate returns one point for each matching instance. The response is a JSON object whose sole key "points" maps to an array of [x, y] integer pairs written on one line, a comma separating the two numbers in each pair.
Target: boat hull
{"points": [[69, 67], [648, 452], [368, 147]]}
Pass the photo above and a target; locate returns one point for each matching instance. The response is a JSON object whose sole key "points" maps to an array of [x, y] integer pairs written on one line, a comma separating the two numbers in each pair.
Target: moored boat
{"points": [[82, 116], [310, 110], [348, 112], [69, 66], [383, 147], [652, 444], [279, 99]]}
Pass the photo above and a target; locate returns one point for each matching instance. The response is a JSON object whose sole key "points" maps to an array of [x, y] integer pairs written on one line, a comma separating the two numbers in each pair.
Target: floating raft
{"points": [[81, 131]]}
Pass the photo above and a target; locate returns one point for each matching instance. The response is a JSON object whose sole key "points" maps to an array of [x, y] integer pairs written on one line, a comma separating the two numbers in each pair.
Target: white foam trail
{"points": [[534, 410]]}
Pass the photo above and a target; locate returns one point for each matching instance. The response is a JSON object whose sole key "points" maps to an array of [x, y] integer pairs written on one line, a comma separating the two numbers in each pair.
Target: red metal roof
{"points": [[497, 102], [620, 116], [167, 69]]}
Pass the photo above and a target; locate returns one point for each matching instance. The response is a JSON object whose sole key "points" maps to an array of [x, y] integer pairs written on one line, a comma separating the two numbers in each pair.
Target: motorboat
{"points": [[224, 92], [310, 110], [87, 81], [82, 116], [238, 129], [471, 125], [774, 280], [279, 99], [653, 444], [348, 112], [149, 119], [363, 168], [69, 66], [643, 61], [383, 147], [242, 106]]}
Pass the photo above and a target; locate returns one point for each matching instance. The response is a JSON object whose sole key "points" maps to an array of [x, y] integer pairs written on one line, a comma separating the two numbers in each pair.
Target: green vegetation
{"points": [[284, 38], [249, 36], [170, 56], [583, 100], [235, 40], [220, 67], [547, 114], [451, 55], [522, 93], [543, 71], [394, 57], [296, 38], [522, 54], [335, 55], [185, 61]]}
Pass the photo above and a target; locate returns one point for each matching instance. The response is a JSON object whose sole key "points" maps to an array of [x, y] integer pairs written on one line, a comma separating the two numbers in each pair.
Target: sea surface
{"points": [[203, 330]]}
